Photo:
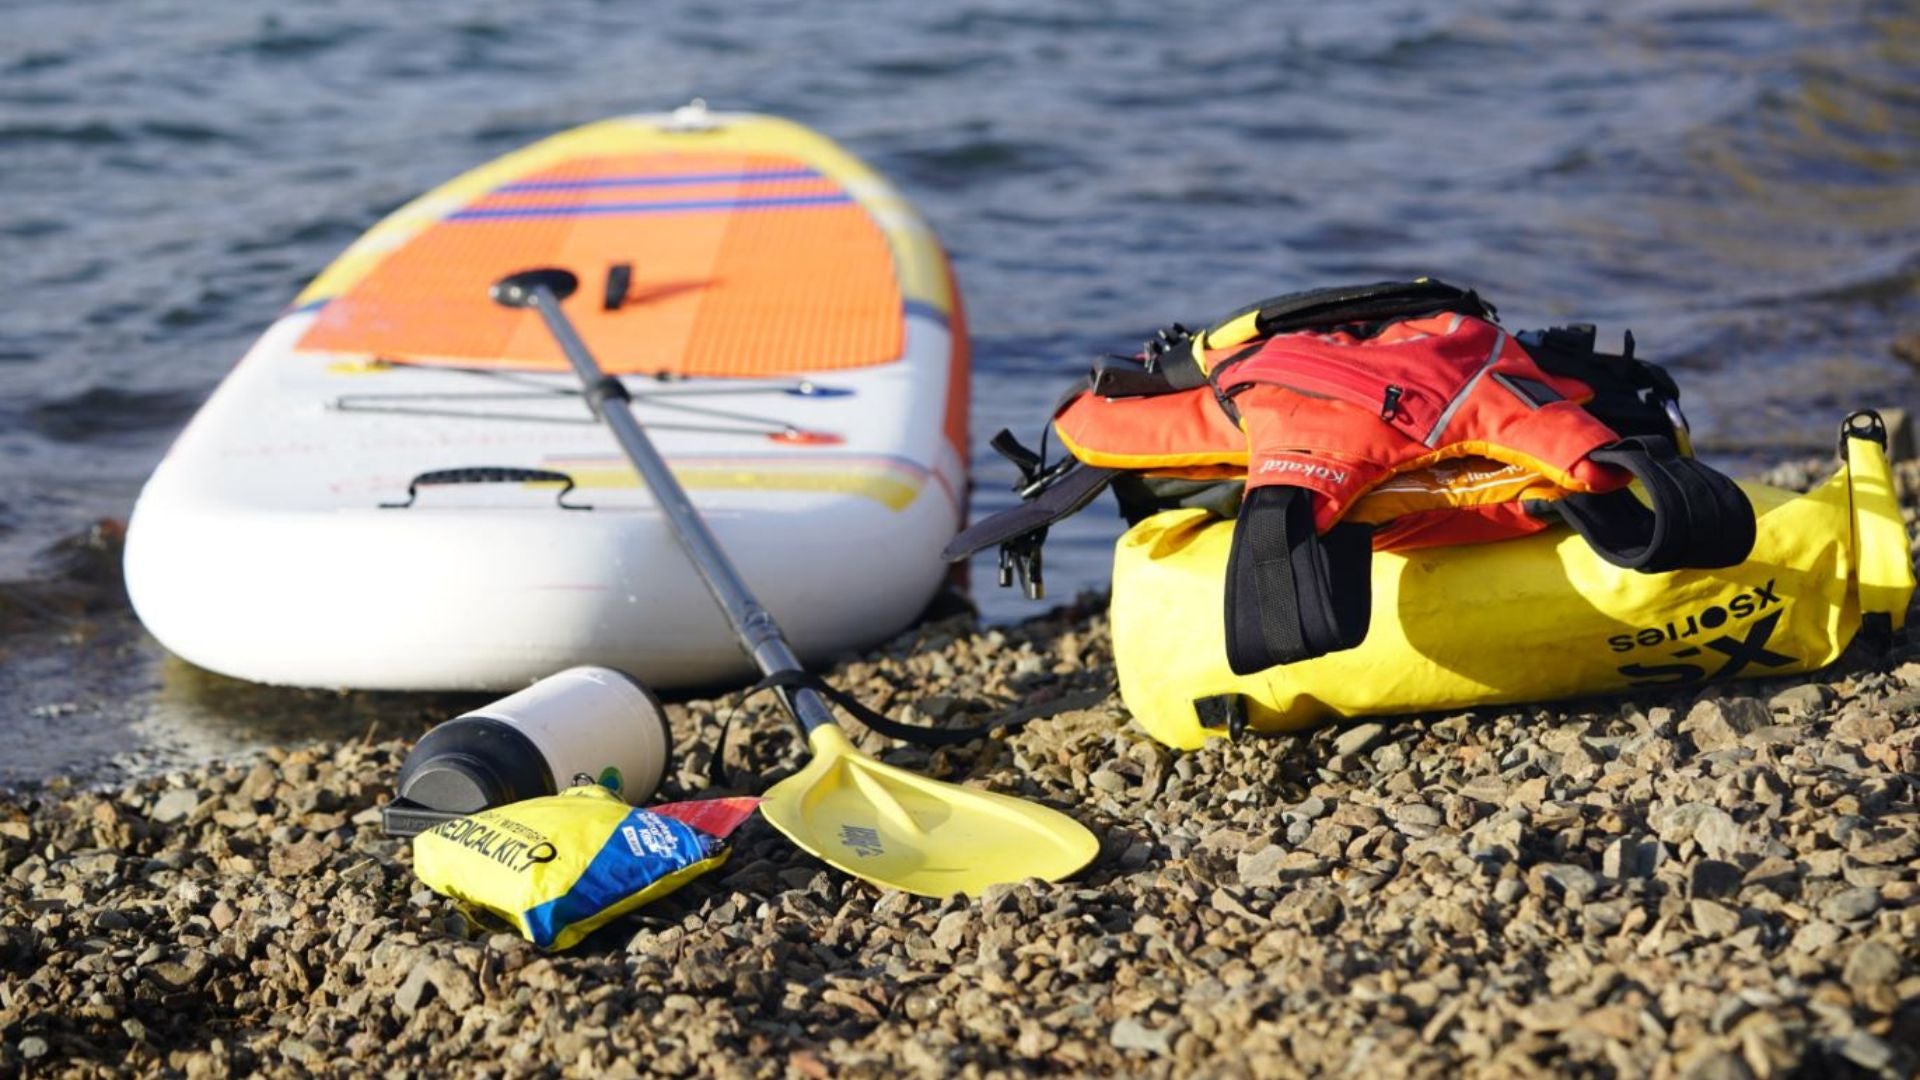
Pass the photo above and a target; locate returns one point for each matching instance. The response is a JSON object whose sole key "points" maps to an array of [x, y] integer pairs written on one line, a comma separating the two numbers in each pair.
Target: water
{"points": [[1738, 183]]}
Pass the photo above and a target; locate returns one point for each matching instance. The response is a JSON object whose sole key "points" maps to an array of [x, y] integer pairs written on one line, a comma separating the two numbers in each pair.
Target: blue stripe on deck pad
{"points": [[656, 180], [605, 209]]}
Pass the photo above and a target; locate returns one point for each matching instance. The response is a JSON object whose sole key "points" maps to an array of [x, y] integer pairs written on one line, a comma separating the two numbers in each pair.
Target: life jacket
{"points": [[1392, 416]]}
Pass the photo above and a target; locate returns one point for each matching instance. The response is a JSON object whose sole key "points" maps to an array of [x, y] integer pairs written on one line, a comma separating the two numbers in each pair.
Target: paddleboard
{"points": [[401, 487]]}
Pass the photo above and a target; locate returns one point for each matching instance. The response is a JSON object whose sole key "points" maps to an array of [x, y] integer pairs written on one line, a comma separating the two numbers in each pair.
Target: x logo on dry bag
{"points": [[1751, 651], [1739, 653]]}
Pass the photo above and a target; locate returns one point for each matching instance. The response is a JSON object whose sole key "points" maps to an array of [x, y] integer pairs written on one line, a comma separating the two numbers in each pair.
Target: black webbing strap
{"points": [[1067, 495], [1177, 364], [1012, 720], [1293, 594], [1008, 446], [1698, 518]]}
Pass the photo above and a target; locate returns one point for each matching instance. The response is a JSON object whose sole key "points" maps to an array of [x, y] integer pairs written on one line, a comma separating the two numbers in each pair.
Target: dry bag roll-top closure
{"points": [[1391, 416]]}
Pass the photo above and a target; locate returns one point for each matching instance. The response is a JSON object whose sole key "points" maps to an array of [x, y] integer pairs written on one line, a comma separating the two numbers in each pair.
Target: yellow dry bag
{"points": [[1531, 619]]}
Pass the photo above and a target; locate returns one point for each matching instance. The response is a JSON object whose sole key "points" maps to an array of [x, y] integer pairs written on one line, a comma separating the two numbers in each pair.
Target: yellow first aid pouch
{"points": [[1531, 619], [559, 867]]}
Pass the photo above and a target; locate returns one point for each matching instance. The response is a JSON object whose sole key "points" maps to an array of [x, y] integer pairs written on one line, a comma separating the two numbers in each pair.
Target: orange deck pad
{"points": [[743, 265]]}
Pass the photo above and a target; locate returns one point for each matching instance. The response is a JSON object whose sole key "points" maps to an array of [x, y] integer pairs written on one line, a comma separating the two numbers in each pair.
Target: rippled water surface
{"points": [[1738, 183]]}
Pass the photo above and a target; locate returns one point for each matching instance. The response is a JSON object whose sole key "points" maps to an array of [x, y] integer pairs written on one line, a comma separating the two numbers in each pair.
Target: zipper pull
{"points": [[1391, 403]]}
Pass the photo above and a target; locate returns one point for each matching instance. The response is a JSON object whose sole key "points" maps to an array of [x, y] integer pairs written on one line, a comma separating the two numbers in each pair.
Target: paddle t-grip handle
{"points": [[752, 623]]}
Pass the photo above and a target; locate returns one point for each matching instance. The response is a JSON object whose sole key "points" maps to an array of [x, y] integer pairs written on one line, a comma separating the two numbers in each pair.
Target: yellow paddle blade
{"points": [[904, 831]]}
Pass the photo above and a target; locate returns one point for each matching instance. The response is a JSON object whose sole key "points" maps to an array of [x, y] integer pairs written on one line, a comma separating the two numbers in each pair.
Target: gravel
{"points": [[1706, 883]]}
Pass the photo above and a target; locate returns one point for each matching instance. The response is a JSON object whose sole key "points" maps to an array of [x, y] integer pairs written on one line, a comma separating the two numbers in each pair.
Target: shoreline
{"points": [[1723, 882]]}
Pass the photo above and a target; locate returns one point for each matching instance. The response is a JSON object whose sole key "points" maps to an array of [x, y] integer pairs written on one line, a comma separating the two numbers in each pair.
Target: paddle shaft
{"points": [[753, 624]]}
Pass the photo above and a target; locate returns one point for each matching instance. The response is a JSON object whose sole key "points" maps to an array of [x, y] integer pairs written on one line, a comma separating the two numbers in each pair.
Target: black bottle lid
{"points": [[472, 763]]}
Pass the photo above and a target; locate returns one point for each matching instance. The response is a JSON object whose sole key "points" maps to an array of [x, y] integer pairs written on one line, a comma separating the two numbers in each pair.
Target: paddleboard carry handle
{"points": [[489, 474]]}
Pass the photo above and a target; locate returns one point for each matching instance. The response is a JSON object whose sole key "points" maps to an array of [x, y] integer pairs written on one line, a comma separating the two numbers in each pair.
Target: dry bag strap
{"points": [[1698, 519], [1292, 594], [1882, 565]]}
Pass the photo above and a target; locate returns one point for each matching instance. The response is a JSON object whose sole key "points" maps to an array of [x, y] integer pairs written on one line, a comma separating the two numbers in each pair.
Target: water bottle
{"points": [[583, 725]]}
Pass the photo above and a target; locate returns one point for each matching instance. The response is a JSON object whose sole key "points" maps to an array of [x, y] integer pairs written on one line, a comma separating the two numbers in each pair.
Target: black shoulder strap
{"points": [[1292, 594], [1698, 518]]}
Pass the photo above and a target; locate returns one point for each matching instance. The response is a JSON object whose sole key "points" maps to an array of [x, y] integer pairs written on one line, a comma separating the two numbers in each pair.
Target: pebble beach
{"points": [[1718, 883]]}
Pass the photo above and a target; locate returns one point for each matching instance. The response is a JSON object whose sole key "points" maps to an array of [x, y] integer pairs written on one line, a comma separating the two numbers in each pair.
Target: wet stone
{"points": [[1872, 970], [1867, 1051], [1717, 834], [1850, 905], [1714, 920], [1574, 882], [1311, 809], [1723, 1065], [1712, 879], [951, 933], [1264, 867], [1774, 873], [1816, 937], [1717, 725], [1359, 739], [174, 805], [1131, 1034], [1418, 816], [417, 990], [1391, 758], [181, 974], [1628, 857], [1804, 700], [298, 858]]}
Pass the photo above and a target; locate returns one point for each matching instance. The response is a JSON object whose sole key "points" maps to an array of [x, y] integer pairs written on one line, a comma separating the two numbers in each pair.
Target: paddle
{"points": [[872, 820]]}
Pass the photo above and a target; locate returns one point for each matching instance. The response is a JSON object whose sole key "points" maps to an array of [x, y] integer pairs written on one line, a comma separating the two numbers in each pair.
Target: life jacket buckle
{"points": [[1020, 557], [1163, 342], [1039, 480], [1682, 431]]}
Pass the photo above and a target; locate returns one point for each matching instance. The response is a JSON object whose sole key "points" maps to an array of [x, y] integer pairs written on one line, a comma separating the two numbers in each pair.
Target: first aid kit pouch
{"points": [[560, 866]]}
